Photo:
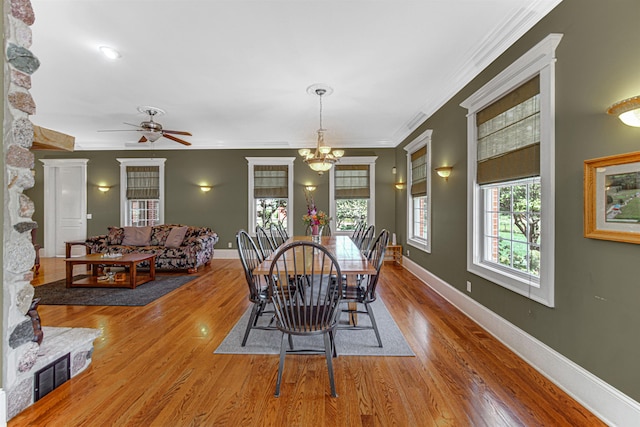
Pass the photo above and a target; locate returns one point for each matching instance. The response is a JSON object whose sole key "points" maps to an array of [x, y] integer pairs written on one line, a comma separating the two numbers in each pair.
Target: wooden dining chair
{"points": [[357, 231], [265, 243], [365, 240], [283, 231], [258, 285], [363, 292], [277, 237], [311, 307]]}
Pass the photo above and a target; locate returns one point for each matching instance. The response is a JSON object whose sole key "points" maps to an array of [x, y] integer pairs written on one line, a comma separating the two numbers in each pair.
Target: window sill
{"points": [[421, 245], [515, 284]]}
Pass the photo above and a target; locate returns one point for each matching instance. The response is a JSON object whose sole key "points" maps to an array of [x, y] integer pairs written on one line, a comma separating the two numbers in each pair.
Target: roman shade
{"points": [[143, 182], [270, 181], [419, 172], [352, 182], [509, 136]]}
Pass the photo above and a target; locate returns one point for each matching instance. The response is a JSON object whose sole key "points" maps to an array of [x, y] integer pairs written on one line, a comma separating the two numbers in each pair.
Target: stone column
{"points": [[19, 349]]}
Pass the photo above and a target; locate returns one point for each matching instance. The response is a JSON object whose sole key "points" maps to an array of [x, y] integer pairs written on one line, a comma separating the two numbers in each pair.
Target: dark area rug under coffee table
{"points": [[56, 293]]}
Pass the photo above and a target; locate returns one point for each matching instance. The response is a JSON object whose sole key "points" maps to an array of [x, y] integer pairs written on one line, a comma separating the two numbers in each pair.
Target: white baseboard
{"points": [[606, 402], [226, 254]]}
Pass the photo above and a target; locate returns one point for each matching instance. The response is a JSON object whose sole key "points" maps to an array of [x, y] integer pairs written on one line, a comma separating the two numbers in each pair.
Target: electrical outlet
{"points": [[408, 253], [229, 245], [468, 286]]}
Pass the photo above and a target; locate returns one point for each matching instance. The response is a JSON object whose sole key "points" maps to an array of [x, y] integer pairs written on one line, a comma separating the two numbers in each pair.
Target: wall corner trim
{"points": [[606, 402], [3, 408]]}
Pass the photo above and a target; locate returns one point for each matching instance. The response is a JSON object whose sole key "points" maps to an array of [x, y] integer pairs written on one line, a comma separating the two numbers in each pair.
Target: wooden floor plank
{"points": [[155, 366]]}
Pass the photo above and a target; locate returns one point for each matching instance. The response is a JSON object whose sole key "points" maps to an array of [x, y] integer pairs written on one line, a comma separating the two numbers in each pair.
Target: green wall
{"points": [[596, 316], [225, 207], [597, 291]]}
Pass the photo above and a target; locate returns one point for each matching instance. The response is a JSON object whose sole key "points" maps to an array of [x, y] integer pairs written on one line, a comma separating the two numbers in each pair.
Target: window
{"points": [[511, 176], [419, 198], [270, 192], [141, 192], [352, 193]]}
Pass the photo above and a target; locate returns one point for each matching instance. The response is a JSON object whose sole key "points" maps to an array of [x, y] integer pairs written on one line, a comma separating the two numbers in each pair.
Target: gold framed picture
{"points": [[612, 198]]}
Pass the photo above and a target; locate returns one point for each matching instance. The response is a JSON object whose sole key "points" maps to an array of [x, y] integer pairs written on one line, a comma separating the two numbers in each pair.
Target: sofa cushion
{"points": [[136, 236], [176, 236], [159, 234], [115, 235]]}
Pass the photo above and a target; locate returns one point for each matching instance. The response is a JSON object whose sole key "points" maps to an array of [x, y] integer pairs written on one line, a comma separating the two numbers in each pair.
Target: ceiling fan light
{"points": [[152, 136]]}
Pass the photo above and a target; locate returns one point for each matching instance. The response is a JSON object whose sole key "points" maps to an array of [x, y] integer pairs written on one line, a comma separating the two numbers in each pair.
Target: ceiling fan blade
{"points": [[143, 139], [177, 132], [131, 124], [173, 138], [116, 130]]}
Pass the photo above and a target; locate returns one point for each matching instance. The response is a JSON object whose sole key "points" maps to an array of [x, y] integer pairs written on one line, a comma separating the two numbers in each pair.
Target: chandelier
{"points": [[324, 157]]}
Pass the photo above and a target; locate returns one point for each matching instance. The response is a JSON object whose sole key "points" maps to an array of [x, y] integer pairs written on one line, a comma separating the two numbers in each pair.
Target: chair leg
{"points": [[252, 319], [328, 353], [261, 306], [283, 352], [373, 323], [332, 338]]}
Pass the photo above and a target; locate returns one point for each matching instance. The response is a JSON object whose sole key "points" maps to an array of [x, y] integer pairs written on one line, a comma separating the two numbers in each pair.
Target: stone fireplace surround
{"points": [[22, 355]]}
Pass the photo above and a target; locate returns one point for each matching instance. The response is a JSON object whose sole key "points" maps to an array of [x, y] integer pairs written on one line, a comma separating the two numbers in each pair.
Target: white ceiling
{"points": [[235, 72]]}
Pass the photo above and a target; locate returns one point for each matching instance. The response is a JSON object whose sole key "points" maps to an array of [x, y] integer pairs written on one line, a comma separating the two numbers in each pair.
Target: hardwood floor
{"points": [[154, 366]]}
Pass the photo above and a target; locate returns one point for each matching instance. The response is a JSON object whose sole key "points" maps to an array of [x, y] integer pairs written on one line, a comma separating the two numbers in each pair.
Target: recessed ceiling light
{"points": [[109, 52]]}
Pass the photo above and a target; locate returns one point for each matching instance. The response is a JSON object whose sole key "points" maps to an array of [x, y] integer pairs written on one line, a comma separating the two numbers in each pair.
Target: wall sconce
{"points": [[310, 187], [103, 188], [205, 188], [400, 185], [627, 110], [444, 172]]}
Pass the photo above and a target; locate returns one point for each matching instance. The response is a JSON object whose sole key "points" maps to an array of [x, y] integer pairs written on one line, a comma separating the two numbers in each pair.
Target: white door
{"points": [[65, 204]]}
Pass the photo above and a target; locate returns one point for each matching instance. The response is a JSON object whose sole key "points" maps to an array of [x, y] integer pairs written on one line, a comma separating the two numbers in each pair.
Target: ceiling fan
{"points": [[152, 130]]}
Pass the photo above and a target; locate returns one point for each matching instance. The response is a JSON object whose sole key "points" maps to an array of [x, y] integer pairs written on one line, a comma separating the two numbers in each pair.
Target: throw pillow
{"points": [[175, 237], [136, 236], [115, 235], [159, 234]]}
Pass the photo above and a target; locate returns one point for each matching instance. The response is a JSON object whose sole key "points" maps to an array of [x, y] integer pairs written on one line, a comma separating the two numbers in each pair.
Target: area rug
{"points": [[56, 293], [348, 342]]}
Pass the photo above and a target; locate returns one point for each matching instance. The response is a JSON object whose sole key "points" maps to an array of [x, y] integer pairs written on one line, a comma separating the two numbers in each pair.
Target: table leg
{"points": [[152, 268], [133, 275], [69, 277]]}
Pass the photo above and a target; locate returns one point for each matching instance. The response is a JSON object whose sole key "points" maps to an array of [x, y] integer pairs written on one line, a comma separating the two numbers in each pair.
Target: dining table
{"points": [[350, 258]]}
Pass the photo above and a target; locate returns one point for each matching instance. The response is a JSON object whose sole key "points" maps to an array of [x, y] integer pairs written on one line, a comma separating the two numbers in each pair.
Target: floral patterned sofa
{"points": [[177, 247]]}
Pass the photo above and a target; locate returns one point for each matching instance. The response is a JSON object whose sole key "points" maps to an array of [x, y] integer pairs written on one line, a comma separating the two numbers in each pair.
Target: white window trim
{"points": [[539, 60], [424, 139], [371, 212], [124, 205], [266, 161]]}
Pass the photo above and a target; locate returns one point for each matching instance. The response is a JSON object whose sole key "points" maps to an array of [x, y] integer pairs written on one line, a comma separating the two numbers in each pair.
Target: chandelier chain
{"points": [[320, 96]]}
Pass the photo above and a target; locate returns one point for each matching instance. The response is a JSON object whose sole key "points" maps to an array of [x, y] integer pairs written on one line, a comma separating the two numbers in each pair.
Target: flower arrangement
{"points": [[313, 215]]}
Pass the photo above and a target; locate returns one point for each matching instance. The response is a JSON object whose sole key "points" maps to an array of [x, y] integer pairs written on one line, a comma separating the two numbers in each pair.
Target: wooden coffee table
{"points": [[130, 261]]}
